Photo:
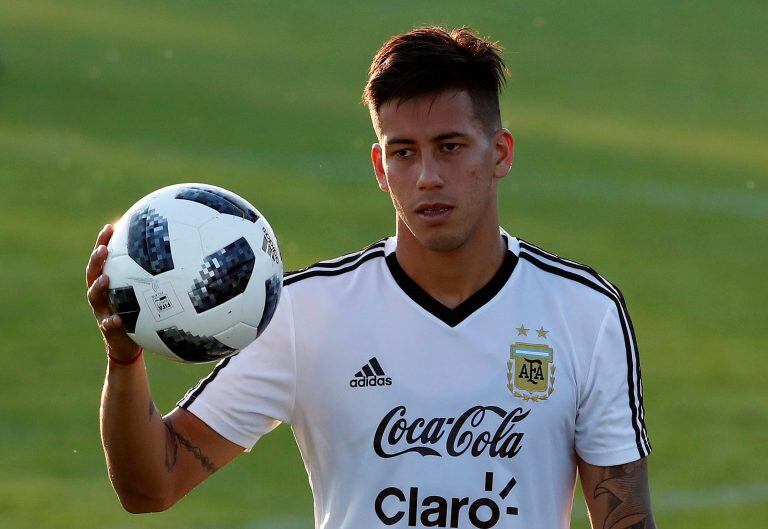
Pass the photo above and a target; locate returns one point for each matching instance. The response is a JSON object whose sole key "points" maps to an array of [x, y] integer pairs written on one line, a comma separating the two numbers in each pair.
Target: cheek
{"points": [[477, 182], [396, 192], [398, 181], [477, 188]]}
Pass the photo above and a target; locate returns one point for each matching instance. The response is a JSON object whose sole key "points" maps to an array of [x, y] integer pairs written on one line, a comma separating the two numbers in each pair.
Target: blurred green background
{"points": [[642, 149]]}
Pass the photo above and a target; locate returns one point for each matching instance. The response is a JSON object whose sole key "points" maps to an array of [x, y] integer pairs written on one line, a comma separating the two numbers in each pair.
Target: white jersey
{"points": [[411, 414]]}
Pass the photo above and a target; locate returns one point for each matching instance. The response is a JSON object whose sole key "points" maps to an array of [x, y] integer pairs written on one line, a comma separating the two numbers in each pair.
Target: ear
{"points": [[377, 158], [505, 153]]}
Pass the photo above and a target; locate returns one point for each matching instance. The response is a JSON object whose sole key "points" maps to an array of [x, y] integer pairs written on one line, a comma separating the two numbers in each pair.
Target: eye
{"points": [[403, 153], [450, 147]]}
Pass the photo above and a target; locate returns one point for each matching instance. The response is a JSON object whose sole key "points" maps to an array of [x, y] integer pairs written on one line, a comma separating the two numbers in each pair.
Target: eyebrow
{"points": [[441, 137]]}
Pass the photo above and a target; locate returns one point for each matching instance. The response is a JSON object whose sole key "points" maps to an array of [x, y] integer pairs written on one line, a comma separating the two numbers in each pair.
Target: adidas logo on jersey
{"points": [[370, 375]]}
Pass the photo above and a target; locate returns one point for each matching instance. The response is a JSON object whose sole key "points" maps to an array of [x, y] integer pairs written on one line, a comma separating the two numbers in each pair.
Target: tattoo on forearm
{"points": [[624, 487], [173, 440], [171, 447]]}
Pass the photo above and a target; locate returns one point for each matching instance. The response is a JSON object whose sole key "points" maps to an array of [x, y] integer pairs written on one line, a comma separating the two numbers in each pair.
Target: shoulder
{"points": [[325, 271], [560, 273]]}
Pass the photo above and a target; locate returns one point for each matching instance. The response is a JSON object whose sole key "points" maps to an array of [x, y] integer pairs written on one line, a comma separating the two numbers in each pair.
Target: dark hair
{"points": [[431, 60]]}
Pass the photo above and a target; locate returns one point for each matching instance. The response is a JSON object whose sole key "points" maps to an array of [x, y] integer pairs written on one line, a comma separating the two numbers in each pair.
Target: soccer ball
{"points": [[194, 271]]}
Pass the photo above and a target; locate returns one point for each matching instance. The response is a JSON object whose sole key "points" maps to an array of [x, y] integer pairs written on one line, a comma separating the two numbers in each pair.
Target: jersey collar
{"points": [[452, 317]]}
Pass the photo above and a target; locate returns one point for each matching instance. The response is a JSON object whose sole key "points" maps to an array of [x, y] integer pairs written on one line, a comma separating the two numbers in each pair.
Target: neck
{"points": [[452, 276]]}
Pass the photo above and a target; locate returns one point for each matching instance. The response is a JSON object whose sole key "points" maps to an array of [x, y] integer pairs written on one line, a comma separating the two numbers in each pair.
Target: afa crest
{"points": [[531, 371]]}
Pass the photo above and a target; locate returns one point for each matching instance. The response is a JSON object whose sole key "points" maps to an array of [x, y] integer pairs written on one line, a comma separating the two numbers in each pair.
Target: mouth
{"points": [[434, 212]]}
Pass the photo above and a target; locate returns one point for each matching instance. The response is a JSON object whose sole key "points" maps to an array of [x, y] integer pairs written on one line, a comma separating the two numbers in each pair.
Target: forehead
{"points": [[428, 116]]}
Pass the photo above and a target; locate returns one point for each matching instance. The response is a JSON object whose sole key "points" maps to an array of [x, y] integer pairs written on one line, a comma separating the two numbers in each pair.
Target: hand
{"points": [[117, 342]]}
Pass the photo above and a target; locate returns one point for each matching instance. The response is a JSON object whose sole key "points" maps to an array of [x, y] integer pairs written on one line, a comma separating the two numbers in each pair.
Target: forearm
{"points": [[153, 461], [134, 438], [617, 497]]}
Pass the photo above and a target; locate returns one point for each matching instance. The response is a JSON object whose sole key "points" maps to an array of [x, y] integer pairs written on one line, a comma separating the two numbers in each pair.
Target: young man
{"points": [[450, 376]]}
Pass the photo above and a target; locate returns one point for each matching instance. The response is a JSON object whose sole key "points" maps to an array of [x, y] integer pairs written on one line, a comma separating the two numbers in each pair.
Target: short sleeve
{"points": [[249, 394], [610, 426]]}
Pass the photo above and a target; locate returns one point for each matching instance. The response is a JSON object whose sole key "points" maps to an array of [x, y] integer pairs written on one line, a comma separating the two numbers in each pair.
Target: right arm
{"points": [[153, 461]]}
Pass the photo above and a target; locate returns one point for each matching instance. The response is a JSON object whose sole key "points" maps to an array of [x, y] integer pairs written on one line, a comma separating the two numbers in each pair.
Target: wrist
{"points": [[121, 362]]}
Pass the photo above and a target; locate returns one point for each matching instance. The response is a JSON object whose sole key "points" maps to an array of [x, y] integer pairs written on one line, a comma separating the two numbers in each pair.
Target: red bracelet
{"points": [[125, 362]]}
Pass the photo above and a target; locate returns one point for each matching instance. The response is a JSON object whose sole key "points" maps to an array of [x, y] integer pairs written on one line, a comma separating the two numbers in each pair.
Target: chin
{"points": [[442, 242]]}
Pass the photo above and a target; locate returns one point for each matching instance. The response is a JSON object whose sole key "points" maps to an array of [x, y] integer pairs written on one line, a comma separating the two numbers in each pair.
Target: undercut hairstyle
{"points": [[427, 61]]}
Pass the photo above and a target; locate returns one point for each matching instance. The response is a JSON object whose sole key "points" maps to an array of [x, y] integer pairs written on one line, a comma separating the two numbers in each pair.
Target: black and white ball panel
{"points": [[272, 288], [226, 229], [223, 275], [122, 301], [219, 200], [229, 229], [238, 336], [149, 243], [192, 348]]}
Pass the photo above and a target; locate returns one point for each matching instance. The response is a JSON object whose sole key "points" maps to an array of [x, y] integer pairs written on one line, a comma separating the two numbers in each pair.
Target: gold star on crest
{"points": [[542, 332], [522, 331]]}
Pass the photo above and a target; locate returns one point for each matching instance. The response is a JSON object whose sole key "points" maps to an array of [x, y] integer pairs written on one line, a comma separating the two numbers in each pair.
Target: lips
{"points": [[435, 211], [431, 208]]}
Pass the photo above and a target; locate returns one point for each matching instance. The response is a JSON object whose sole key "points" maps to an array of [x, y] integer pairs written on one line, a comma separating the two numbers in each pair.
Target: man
{"points": [[450, 376]]}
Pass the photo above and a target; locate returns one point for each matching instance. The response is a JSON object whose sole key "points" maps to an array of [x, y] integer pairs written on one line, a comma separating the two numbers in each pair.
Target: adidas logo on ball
{"points": [[371, 375]]}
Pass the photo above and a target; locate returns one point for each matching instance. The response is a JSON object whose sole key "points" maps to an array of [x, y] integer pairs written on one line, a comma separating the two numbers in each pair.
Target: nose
{"points": [[429, 173]]}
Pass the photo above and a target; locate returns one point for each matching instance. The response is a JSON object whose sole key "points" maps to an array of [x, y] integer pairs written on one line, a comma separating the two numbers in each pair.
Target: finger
{"points": [[97, 297], [104, 235], [112, 325], [95, 264], [117, 339]]}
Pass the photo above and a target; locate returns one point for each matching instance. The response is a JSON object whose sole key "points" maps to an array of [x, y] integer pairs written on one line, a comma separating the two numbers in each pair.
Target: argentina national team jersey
{"points": [[411, 414]]}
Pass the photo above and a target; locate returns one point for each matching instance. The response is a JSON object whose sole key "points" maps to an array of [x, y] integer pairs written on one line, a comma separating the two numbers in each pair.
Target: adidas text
{"points": [[364, 382]]}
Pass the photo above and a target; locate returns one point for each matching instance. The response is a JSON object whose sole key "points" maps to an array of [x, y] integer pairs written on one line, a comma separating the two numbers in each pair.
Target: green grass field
{"points": [[642, 149]]}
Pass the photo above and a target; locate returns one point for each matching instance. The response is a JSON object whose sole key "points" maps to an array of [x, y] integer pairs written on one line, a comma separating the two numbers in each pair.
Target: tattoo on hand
{"points": [[627, 496], [173, 440]]}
